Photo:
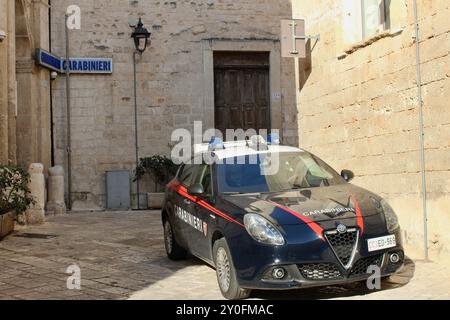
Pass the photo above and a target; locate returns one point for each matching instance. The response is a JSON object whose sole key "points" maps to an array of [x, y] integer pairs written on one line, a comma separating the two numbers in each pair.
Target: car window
{"points": [[295, 170], [206, 180], [186, 174], [203, 176]]}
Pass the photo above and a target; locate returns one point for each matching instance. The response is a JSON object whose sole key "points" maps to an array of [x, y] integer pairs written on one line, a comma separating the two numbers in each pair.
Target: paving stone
{"points": [[117, 290], [111, 270]]}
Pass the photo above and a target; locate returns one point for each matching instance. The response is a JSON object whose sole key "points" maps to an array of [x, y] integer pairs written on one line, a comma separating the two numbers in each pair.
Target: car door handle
{"points": [[186, 201]]}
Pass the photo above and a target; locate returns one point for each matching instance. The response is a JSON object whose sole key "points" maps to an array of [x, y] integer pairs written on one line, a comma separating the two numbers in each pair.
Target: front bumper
{"points": [[322, 274], [309, 262]]}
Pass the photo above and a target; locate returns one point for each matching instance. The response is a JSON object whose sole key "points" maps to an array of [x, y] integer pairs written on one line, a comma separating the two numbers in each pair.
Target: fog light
{"points": [[394, 258], [278, 273]]}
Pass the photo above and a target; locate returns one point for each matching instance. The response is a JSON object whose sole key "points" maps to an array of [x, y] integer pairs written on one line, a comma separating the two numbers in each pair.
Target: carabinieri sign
{"points": [[76, 65], [48, 60], [90, 65]]}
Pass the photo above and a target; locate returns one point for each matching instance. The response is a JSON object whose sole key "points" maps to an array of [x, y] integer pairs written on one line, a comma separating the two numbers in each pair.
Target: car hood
{"points": [[314, 205]]}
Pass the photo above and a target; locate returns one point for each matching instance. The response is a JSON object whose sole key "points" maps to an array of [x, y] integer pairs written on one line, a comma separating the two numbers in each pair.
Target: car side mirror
{"points": [[196, 189], [347, 175]]}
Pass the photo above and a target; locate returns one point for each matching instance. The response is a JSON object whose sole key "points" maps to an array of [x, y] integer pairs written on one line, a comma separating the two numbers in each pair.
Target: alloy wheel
{"points": [[223, 269], [168, 237]]}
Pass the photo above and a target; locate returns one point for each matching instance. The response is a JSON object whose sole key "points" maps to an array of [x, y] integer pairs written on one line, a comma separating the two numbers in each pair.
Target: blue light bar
{"points": [[216, 143], [273, 138]]}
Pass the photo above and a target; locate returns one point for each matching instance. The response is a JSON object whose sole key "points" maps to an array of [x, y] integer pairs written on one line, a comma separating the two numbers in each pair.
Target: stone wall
{"points": [[25, 135], [4, 140], [173, 86], [358, 109]]}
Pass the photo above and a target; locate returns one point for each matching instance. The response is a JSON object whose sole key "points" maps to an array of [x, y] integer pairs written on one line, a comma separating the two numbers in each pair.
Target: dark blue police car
{"points": [[268, 216]]}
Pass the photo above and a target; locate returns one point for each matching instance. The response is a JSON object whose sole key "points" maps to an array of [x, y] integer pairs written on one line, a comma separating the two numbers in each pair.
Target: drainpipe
{"points": [[422, 134], [136, 136], [52, 135], [68, 120]]}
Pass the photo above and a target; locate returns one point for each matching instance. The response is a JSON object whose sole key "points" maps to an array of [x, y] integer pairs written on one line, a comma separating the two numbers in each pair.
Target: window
{"points": [[186, 174], [375, 17], [297, 170], [204, 175], [363, 19], [191, 174]]}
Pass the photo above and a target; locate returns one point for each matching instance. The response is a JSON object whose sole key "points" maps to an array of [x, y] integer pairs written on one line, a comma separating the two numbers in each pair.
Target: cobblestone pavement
{"points": [[121, 255]]}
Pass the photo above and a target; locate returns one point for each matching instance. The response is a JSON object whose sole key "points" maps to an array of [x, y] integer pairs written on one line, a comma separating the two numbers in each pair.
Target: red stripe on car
{"points": [[359, 218], [314, 226], [182, 191]]}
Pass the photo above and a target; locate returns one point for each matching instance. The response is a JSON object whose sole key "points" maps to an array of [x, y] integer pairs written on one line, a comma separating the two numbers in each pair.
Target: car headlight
{"points": [[391, 217], [262, 230]]}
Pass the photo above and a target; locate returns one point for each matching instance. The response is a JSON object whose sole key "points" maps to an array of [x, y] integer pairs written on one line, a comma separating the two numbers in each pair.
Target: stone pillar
{"points": [[36, 213], [28, 119], [12, 82], [55, 194], [33, 122], [4, 84], [42, 83]]}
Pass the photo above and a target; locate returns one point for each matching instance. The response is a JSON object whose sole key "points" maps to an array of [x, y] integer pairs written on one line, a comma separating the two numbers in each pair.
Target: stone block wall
{"points": [[358, 109], [171, 78], [25, 135]]}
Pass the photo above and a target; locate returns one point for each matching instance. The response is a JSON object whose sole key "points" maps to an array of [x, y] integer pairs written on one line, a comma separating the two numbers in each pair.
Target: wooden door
{"points": [[241, 82]]}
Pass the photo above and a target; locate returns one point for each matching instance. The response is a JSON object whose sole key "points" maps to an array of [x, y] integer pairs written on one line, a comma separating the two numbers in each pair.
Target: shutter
{"points": [[351, 22]]}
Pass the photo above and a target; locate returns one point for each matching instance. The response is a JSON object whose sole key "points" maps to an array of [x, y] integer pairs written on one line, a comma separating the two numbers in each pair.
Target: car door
{"points": [[203, 175], [182, 205]]}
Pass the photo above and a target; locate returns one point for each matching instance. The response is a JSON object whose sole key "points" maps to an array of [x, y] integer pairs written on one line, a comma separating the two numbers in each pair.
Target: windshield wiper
{"points": [[231, 193], [238, 193]]}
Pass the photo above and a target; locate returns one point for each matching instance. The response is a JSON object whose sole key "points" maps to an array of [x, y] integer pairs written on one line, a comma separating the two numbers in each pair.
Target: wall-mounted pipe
{"points": [[422, 134], [68, 115], [52, 127]]}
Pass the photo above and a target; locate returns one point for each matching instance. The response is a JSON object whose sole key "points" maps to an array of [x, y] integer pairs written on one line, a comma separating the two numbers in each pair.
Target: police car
{"points": [[268, 216]]}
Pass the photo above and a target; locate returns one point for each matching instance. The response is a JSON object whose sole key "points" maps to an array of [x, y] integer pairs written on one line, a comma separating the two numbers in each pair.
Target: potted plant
{"points": [[15, 197], [161, 170]]}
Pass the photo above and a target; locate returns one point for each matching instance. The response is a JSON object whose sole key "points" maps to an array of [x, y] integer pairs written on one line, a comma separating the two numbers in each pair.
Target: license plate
{"points": [[381, 243]]}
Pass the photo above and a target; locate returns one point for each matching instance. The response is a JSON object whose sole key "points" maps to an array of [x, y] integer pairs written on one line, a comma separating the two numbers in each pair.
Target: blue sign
{"points": [[76, 65], [90, 65], [48, 60]]}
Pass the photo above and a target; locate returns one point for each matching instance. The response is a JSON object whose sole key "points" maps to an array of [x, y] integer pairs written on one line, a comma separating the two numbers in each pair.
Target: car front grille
{"points": [[320, 271], [343, 244], [361, 266]]}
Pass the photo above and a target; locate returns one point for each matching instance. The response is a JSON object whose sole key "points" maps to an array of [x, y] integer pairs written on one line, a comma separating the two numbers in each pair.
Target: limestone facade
{"points": [[175, 79], [358, 106], [25, 135]]}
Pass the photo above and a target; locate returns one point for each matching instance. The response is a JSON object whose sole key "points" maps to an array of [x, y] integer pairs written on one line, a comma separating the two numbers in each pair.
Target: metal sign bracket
{"points": [[316, 37], [295, 38], [294, 42]]}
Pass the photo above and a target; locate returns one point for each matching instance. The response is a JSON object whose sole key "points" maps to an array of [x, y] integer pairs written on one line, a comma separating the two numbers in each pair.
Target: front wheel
{"points": [[226, 273], [173, 249]]}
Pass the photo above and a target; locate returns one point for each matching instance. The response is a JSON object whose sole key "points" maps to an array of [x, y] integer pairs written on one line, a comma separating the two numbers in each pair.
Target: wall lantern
{"points": [[141, 37]]}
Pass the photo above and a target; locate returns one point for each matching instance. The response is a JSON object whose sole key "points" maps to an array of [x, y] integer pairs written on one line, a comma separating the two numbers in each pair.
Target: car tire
{"points": [[173, 249], [226, 273]]}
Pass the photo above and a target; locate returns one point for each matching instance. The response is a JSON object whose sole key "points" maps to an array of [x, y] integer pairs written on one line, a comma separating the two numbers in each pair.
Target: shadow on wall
{"points": [[305, 67]]}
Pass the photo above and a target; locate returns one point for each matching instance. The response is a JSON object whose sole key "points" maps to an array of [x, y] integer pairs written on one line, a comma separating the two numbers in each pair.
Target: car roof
{"points": [[242, 148]]}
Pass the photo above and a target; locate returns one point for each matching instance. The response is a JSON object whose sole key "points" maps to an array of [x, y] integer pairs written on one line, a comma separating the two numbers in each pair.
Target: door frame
{"points": [[271, 46], [262, 66]]}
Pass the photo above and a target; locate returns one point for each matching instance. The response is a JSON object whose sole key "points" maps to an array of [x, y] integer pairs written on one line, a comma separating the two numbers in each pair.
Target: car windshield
{"points": [[274, 173]]}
